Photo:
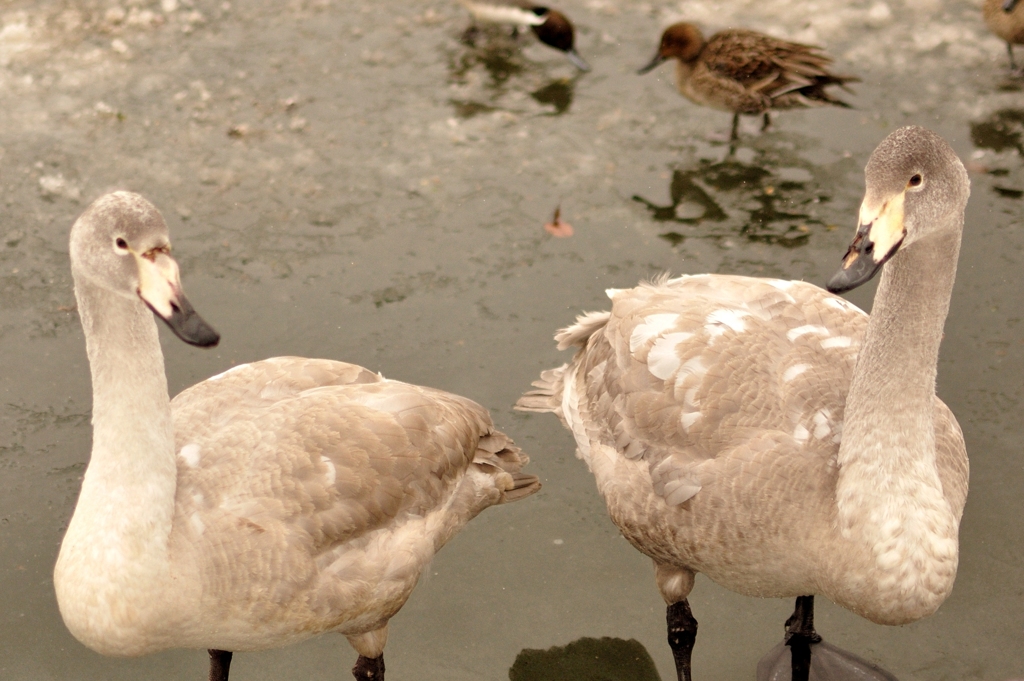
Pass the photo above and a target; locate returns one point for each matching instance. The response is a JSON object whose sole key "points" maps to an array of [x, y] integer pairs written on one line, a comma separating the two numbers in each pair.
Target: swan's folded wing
{"points": [[325, 464], [951, 457], [264, 383], [691, 370]]}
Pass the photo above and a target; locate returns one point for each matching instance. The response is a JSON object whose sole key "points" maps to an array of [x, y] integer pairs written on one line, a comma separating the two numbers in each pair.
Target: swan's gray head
{"points": [[916, 188], [120, 244]]}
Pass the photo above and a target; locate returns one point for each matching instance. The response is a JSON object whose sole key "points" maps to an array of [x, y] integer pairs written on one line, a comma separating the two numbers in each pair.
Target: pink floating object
{"points": [[559, 229]]}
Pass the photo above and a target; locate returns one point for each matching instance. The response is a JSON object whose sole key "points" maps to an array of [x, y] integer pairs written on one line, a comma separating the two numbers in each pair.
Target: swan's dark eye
{"points": [[121, 244], [915, 181]]}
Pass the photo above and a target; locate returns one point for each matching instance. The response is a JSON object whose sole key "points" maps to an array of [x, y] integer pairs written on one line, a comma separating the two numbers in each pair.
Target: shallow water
{"points": [[348, 180]]}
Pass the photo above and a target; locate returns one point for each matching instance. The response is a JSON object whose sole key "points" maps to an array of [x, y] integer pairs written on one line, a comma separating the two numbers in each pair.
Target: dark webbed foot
{"points": [[369, 669], [220, 664], [682, 632], [808, 658], [828, 663]]}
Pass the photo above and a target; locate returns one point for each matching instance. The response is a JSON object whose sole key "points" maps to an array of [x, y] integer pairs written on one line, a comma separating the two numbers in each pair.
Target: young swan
{"points": [[276, 501], [777, 439], [746, 72]]}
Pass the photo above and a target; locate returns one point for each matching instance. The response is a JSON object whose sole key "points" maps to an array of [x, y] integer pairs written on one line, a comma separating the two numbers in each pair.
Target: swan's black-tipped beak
{"points": [[160, 289], [879, 236], [858, 266], [651, 65], [187, 325]]}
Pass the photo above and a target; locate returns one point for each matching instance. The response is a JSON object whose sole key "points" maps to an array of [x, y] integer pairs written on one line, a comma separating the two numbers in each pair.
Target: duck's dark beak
{"points": [[879, 236], [1008, 5], [160, 289], [577, 60], [653, 64]]}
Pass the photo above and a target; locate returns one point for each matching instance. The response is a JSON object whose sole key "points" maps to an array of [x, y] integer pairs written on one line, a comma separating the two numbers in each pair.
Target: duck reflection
{"points": [[1001, 131], [586, 659], [504, 70], [558, 93], [733, 198], [500, 60]]}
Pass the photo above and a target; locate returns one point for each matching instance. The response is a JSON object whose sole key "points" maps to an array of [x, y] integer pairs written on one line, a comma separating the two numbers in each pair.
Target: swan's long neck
{"points": [[116, 543], [889, 495]]}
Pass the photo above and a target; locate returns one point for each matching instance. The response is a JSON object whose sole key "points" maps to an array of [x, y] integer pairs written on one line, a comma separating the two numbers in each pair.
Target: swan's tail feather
{"points": [[579, 333], [523, 485], [499, 456], [548, 394]]}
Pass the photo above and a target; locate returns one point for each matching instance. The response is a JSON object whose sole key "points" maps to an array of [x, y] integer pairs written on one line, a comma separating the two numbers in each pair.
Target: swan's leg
{"points": [[735, 133], [370, 646], [767, 121], [675, 585], [682, 634], [220, 664], [369, 669], [800, 635], [1009, 51]]}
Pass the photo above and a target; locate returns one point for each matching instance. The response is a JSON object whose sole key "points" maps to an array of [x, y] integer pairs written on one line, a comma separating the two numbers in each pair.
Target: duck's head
{"points": [[916, 189], [682, 41], [120, 244], [557, 31]]}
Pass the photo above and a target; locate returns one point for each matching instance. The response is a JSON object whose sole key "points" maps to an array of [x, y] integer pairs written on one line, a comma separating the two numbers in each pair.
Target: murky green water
{"points": [[347, 180]]}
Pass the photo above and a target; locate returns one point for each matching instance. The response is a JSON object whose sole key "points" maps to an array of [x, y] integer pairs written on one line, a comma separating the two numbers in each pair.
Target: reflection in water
{"points": [[495, 53], [1001, 131], [558, 93], [500, 59], [763, 202], [586, 659]]}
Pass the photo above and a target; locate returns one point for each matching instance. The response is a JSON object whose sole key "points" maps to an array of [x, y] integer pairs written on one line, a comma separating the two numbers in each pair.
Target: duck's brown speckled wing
{"points": [[751, 57], [789, 74]]}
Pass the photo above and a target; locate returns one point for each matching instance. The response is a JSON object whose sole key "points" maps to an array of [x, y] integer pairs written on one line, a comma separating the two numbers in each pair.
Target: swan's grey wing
{"points": [[273, 465], [951, 457], [694, 372], [263, 383]]}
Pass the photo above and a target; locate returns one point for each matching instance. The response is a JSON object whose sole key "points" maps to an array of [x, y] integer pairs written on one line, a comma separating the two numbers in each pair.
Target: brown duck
{"points": [[747, 72], [1005, 18]]}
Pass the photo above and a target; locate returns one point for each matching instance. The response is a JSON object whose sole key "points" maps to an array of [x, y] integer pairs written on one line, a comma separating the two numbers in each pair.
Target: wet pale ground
{"points": [[347, 180]]}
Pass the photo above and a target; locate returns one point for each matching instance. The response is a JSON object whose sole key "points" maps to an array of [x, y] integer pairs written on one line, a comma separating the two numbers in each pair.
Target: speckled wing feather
{"points": [[707, 371], [772, 67]]}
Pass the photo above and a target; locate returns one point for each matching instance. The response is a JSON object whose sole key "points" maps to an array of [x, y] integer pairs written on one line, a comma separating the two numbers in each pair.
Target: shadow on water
{"points": [[758, 200], [1001, 131], [586, 659]]}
